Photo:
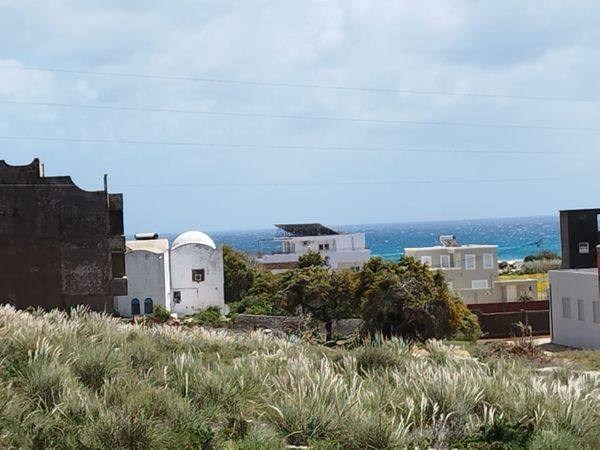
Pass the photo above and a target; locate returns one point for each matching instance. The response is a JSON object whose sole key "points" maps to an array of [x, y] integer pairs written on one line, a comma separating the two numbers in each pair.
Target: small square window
{"points": [[584, 247], [176, 296], [197, 275], [323, 246]]}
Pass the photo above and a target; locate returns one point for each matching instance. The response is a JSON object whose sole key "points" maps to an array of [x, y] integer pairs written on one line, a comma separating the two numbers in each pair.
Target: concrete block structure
{"points": [[148, 276], [185, 278], [60, 246], [575, 307], [579, 236], [471, 271]]}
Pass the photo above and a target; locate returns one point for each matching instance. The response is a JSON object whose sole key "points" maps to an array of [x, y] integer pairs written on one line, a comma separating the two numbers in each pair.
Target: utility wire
{"points": [[299, 85], [335, 183], [294, 117], [284, 146]]}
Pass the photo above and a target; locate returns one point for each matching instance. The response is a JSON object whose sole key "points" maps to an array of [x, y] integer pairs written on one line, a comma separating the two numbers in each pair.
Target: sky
{"points": [[230, 115]]}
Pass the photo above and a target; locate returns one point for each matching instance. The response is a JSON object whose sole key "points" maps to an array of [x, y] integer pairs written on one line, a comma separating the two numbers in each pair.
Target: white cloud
{"points": [[455, 46]]}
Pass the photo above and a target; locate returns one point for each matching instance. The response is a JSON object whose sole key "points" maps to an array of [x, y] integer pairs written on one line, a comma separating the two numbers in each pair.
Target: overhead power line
{"points": [[288, 184], [300, 85], [286, 147], [293, 116]]}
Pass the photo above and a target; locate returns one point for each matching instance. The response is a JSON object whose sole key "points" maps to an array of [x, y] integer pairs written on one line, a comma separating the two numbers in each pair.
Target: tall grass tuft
{"points": [[86, 380]]}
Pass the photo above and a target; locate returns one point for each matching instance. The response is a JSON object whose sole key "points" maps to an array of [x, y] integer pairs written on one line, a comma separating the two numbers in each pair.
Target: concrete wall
{"points": [[503, 324], [148, 276], [196, 296], [574, 286], [61, 246]]}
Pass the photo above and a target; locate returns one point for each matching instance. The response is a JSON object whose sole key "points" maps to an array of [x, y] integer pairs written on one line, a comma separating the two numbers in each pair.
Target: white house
{"points": [[185, 278], [343, 250], [575, 307], [471, 271], [148, 277], [197, 279]]}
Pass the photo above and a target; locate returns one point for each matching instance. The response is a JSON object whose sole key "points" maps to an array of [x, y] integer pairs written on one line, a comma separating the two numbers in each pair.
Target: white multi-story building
{"points": [[185, 279], [471, 271], [343, 250]]}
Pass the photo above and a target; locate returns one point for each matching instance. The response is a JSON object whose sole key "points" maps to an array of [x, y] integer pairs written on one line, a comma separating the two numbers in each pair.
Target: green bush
{"points": [[161, 313], [210, 316], [255, 304], [410, 300]]}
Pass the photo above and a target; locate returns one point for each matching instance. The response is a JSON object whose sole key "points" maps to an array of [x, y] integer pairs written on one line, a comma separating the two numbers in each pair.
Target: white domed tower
{"points": [[196, 274]]}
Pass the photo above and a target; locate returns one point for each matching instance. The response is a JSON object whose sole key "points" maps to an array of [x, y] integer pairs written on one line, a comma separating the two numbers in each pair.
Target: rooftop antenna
{"points": [[106, 183]]}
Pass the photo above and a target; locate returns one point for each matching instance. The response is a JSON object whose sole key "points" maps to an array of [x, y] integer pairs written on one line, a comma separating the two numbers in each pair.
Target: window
{"points": [[176, 296], [135, 307], [566, 307], [584, 247], [323, 246], [479, 284], [444, 261], [488, 261], [596, 311], [426, 260], [148, 306], [197, 275], [470, 262], [580, 310]]}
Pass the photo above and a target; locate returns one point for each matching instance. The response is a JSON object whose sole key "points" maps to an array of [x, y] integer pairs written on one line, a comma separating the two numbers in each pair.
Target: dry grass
{"points": [[90, 381]]}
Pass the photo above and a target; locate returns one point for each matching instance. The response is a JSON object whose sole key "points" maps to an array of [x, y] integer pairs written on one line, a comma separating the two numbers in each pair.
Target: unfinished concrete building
{"points": [[60, 246]]}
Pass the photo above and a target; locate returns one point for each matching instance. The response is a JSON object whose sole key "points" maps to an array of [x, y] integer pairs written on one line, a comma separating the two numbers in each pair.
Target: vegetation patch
{"points": [[87, 380]]}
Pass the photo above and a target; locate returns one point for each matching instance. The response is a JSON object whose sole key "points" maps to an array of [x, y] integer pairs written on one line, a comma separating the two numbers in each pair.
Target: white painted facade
{"points": [[575, 307], [185, 279], [343, 250], [197, 279], [148, 278]]}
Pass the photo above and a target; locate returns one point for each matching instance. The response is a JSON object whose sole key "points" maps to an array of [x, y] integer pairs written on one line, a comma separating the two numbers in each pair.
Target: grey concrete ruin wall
{"points": [[60, 246]]}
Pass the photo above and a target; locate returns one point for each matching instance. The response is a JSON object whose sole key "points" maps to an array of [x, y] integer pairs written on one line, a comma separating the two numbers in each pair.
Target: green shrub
{"points": [[161, 313], [255, 304], [210, 316]]}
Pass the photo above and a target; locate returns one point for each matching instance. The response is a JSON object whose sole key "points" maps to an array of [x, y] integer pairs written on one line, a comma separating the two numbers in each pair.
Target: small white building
{"points": [[575, 307], [197, 279], [148, 277], [342, 250], [185, 278]]}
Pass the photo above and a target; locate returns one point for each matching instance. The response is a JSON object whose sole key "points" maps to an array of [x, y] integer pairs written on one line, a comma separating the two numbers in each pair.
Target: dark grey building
{"points": [[579, 235], [60, 246]]}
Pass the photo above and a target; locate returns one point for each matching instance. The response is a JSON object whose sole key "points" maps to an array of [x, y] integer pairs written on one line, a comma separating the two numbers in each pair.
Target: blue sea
{"points": [[515, 237]]}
